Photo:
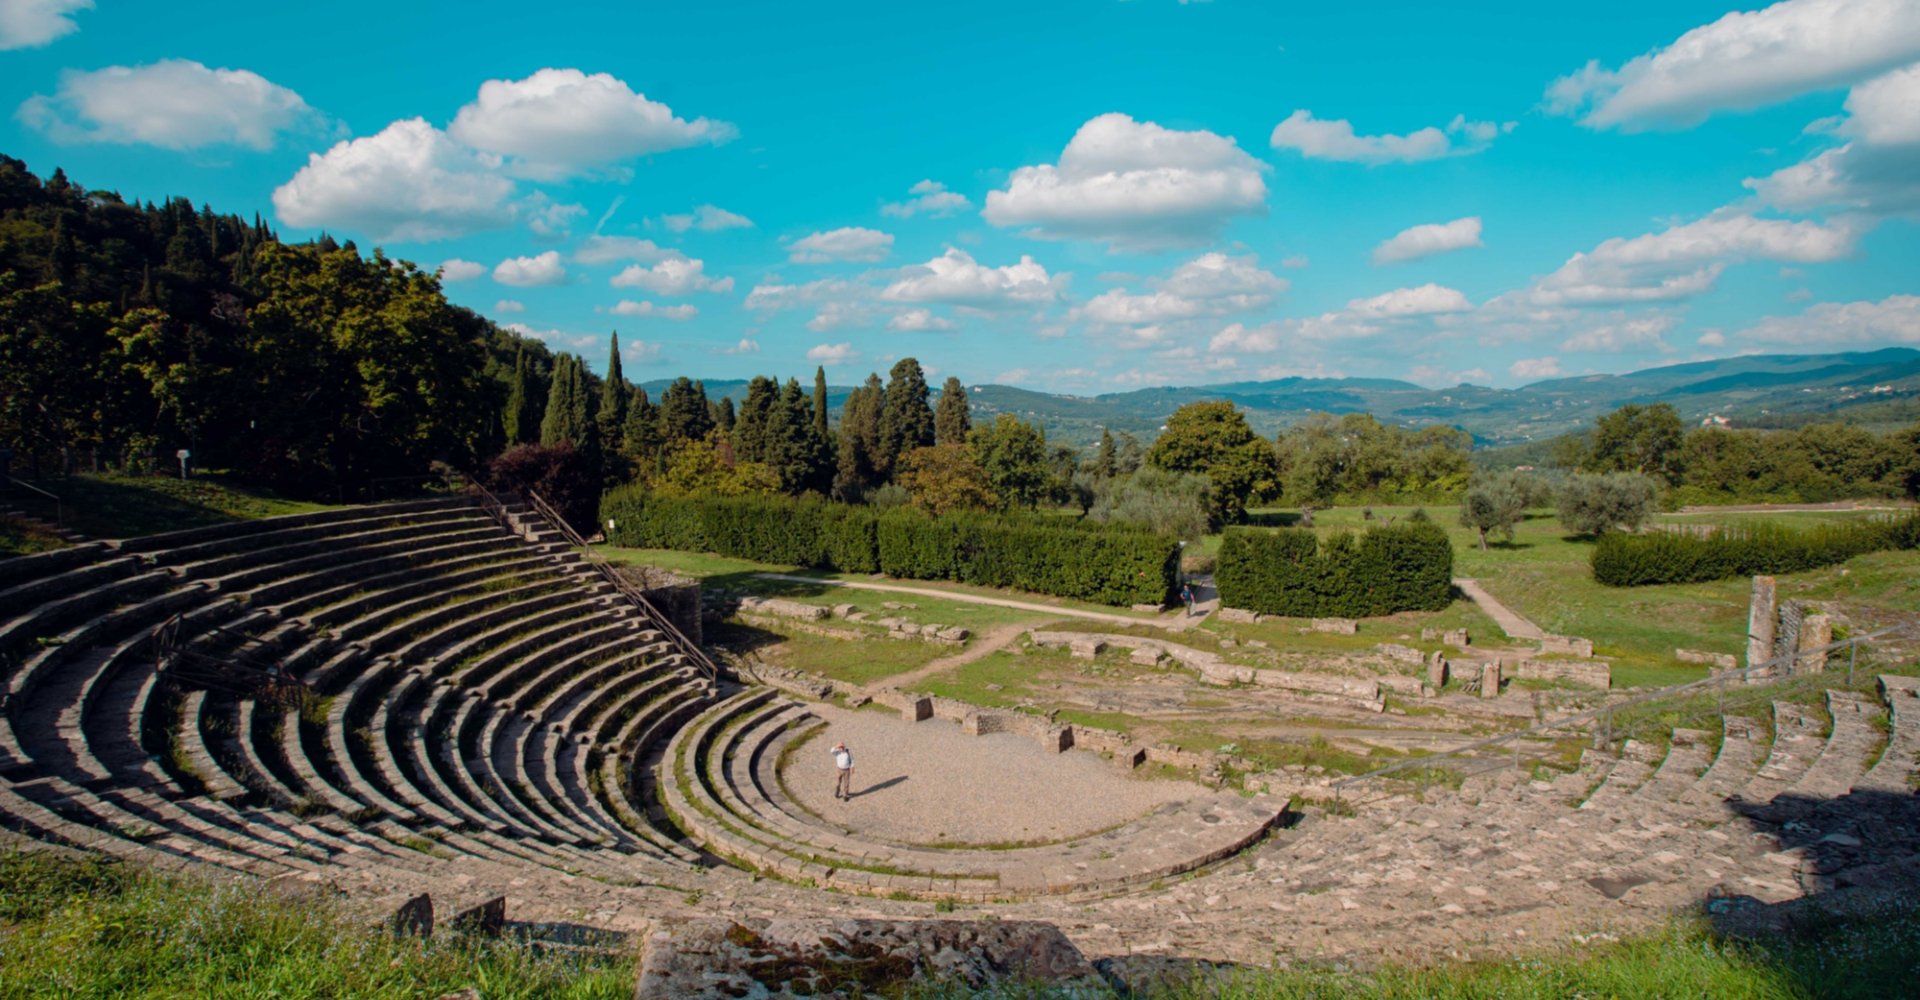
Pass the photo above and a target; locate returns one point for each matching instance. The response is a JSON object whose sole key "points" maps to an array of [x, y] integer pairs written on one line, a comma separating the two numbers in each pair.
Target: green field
{"points": [[111, 506]]}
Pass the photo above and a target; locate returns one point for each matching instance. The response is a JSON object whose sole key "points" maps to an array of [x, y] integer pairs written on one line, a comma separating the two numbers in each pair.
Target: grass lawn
{"points": [[21, 538], [109, 506], [863, 662]]}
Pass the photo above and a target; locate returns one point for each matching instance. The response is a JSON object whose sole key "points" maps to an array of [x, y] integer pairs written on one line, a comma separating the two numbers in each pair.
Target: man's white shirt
{"points": [[843, 759]]}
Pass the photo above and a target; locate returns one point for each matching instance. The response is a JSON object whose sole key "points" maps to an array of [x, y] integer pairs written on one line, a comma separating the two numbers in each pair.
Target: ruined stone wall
{"points": [[1584, 672], [675, 594]]}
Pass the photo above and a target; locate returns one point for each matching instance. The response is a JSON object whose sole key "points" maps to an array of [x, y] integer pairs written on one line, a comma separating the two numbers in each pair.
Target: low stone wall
{"points": [[1364, 692], [677, 595], [1718, 661], [1566, 645], [1585, 672], [1336, 626]]}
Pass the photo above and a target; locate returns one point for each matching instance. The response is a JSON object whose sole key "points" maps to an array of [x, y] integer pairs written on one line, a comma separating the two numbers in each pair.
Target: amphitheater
{"points": [[446, 697]]}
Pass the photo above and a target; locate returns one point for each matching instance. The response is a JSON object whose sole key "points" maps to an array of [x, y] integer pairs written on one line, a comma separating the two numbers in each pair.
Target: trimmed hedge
{"points": [[1621, 560], [1403, 567], [1108, 564]]}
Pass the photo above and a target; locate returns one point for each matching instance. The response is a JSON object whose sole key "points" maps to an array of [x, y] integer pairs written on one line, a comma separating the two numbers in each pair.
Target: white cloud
{"points": [[550, 218], [841, 315], [1746, 59], [1686, 260], [1213, 284], [1878, 170], [918, 321], [173, 103], [454, 269], [745, 346], [1535, 368], [1295, 262], [615, 249], [955, 278], [772, 296], [849, 243], [563, 122], [1712, 338], [27, 24], [527, 272], [408, 183], [707, 219], [673, 276], [1426, 300], [1135, 185], [1629, 335], [833, 354], [580, 342], [1894, 319], [1263, 339], [1425, 241], [930, 198], [628, 307], [1334, 139], [509, 306]]}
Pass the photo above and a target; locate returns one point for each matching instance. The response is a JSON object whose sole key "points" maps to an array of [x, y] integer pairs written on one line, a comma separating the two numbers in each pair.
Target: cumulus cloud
{"points": [[1133, 185], [528, 272], [509, 306], [454, 269], [407, 183], [618, 249], [849, 243], [1425, 241], [1426, 300], [563, 122], [706, 219], [956, 278], [1334, 139], [918, 321], [1646, 332], [1686, 260], [746, 345], [673, 276], [628, 307], [550, 218], [929, 198], [773, 295], [1536, 368], [1744, 60], [1877, 170], [1894, 319], [27, 24], [1213, 284], [174, 104], [833, 354]]}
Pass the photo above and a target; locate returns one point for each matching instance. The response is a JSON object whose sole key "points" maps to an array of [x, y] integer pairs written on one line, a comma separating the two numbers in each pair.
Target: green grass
{"points": [[90, 927], [111, 506], [22, 538], [864, 662]]}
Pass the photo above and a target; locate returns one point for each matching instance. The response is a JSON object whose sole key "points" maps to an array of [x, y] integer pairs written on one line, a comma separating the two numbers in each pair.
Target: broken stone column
{"points": [[1490, 679], [1762, 614], [1437, 671], [1816, 632]]}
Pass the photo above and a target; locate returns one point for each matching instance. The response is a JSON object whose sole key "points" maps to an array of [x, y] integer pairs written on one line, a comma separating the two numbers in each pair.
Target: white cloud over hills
{"points": [[409, 182], [173, 104]]}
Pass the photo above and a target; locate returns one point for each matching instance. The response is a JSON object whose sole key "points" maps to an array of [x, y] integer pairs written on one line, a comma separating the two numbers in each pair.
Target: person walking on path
{"points": [[843, 763], [1186, 597]]}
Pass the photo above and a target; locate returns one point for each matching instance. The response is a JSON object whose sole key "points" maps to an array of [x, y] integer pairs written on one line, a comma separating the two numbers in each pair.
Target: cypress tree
{"points": [[553, 425], [726, 417], [613, 400], [859, 439], [1104, 459], [750, 427], [518, 422], [820, 401], [906, 421], [953, 418]]}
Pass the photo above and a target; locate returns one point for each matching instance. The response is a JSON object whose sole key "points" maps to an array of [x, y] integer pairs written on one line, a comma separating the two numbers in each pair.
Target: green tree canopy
{"points": [[1213, 439]]}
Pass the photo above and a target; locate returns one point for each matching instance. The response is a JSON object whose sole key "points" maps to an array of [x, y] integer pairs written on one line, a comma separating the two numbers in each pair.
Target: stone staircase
{"points": [[465, 691]]}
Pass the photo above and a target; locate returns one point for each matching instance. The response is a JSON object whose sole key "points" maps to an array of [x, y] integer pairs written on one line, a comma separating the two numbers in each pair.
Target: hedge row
{"points": [[1405, 567], [1108, 564], [1622, 560]]}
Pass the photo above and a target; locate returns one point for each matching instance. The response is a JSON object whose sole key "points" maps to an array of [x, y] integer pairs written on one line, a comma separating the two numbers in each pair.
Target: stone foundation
{"points": [[1584, 672]]}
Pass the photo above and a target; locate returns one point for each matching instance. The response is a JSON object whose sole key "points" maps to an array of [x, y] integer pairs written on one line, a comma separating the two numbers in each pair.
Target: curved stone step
{"points": [[1843, 757], [1688, 757], [1739, 759], [1796, 744], [1899, 761]]}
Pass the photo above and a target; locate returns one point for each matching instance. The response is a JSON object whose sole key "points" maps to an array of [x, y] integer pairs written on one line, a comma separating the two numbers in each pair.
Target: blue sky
{"points": [[1080, 196]]}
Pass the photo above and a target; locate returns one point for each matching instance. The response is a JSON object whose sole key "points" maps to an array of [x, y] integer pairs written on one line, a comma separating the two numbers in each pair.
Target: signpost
{"points": [[183, 454]]}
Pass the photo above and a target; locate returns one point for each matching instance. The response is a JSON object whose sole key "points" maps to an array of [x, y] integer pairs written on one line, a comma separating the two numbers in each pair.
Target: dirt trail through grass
{"points": [[1509, 620], [994, 641]]}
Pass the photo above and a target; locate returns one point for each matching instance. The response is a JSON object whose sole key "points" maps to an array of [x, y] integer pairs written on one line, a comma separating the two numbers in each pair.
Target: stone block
{"points": [[954, 633], [1763, 614], [1587, 673], [782, 608], [1240, 615], [1336, 626], [1130, 757], [917, 710], [1816, 632], [1718, 661], [1457, 637], [845, 610], [1490, 679], [1151, 609], [1086, 649], [486, 920], [1437, 671], [1565, 645], [930, 629], [1146, 656], [414, 918], [1400, 654]]}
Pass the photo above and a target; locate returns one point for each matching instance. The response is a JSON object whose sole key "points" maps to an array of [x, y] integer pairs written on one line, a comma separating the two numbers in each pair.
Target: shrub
{"points": [[1595, 505], [1663, 557], [1291, 571], [563, 476], [1109, 564]]}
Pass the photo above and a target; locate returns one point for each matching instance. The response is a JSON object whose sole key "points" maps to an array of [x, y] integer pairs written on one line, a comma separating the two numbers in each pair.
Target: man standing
{"points": [[843, 762]]}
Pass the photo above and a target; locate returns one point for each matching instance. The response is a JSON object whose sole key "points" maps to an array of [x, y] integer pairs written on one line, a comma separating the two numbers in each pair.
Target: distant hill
{"points": [[1762, 390]]}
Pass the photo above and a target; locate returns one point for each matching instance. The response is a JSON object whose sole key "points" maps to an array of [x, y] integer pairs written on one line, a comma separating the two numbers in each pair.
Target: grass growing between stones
{"points": [[89, 927], [23, 538], [106, 506]]}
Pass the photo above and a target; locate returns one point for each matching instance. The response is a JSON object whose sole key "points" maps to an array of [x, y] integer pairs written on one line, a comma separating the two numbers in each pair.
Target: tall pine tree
{"points": [[906, 421], [953, 417], [614, 391], [520, 419], [820, 401]]}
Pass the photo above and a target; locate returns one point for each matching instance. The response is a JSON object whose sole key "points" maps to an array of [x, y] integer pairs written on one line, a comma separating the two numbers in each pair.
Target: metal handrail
{"points": [[1852, 644], [59, 508], [626, 588]]}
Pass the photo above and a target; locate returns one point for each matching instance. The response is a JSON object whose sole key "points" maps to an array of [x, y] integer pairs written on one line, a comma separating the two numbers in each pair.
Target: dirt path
{"points": [[1508, 619], [1175, 623], [998, 639]]}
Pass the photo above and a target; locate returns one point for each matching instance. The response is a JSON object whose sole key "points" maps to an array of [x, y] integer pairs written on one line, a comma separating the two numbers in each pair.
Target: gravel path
{"points": [[1510, 621], [929, 782]]}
